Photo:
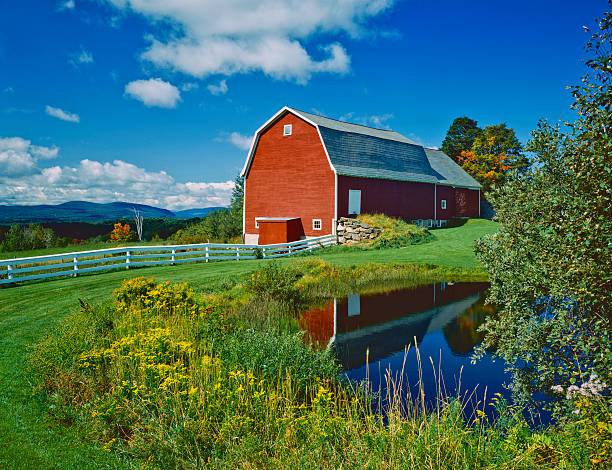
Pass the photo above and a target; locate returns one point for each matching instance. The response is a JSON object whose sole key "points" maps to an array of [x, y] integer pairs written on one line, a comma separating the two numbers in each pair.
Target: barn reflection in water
{"points": [[443, 318]]}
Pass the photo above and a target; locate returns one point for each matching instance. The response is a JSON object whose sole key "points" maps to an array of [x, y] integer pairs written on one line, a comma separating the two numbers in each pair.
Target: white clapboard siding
{"points": [[71, 264]]}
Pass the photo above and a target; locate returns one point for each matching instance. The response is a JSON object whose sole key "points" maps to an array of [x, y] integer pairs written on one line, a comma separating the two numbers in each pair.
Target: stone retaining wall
{"points": [[354, 230]]}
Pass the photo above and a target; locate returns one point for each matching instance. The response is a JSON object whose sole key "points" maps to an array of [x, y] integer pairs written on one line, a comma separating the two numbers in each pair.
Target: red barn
{"points": [[315, 169]]}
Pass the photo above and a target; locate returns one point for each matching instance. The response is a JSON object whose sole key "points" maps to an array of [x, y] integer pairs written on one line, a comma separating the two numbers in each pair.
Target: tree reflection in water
{"points": [[462, 333]]}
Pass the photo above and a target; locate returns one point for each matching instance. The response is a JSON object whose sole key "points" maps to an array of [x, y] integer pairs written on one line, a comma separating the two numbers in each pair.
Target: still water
{"points": [[371, 333]]}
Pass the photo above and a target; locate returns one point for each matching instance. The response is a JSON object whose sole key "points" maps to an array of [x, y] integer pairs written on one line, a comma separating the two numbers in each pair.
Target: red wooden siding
{"points": [[448, 194], [290, 176], [466, 202], [279, 231], [403, 199]]}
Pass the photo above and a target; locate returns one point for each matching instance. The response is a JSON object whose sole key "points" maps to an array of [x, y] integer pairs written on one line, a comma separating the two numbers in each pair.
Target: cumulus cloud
{"points": [[154, 92], [18, 157], [23, 181], [61, 114], [220, 89], [243, 142], [241, 36]]}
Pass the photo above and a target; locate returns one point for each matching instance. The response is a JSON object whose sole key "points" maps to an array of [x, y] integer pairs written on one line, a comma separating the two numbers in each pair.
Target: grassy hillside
{"points": [[29, 311]]}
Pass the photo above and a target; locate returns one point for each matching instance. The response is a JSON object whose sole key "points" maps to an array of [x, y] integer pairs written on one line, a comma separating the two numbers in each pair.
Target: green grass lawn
{"points": [[29, 311], [452, 247]]}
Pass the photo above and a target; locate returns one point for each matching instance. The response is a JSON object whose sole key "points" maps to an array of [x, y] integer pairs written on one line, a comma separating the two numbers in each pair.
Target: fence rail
{"points": [[72, 264]]}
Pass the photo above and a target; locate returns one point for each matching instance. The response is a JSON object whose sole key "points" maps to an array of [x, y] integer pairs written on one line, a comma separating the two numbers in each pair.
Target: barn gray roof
{"points": [[452, 173], [363, 151]]}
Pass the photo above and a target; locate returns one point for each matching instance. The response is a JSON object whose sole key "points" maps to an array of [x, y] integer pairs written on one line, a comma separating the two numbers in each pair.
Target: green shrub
{"points": [[276, 282], [163, 298]]}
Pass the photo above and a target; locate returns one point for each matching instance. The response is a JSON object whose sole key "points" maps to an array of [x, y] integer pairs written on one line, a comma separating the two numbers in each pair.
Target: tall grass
{"points": [[166, 379]]}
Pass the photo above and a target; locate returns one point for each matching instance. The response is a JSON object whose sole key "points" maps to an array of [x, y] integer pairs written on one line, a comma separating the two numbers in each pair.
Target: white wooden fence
{"points": [[71, 264]]}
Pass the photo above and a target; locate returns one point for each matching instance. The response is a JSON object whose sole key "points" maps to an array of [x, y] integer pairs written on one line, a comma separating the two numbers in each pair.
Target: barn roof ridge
{"points": [[340, 120], [353, 128]]}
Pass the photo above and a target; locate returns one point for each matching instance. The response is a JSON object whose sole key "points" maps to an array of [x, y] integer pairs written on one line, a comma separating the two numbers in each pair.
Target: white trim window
{"points": [[287, 129], [316, 224], [443, 204]]}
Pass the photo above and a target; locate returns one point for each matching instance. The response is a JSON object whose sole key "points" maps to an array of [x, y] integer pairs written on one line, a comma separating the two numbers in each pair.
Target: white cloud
{"points": [[66, 5], [378, 121], [18, 157], [280, 58], [241, 36], [243, 142], [220, 89], [23, 182], [415, 138], [154, 92], [189, 86], [81, 57], [61, 114]]}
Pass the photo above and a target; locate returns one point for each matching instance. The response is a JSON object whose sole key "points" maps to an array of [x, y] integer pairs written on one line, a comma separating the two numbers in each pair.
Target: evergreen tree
{"points": [[460, 137]]}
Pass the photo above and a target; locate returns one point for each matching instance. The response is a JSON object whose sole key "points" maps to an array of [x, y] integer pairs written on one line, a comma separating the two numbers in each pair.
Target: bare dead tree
{"points": [[138, 219]]}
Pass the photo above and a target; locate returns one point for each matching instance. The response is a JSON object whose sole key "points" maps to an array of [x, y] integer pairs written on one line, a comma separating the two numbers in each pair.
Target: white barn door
{"points": [[354, 206]]}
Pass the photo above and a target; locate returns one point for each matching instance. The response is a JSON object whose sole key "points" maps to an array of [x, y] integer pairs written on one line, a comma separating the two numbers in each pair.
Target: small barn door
{"points": [[354, 206]]}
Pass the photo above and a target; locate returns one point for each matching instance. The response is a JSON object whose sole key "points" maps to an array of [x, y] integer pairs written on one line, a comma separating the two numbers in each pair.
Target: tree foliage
{"points": [[498, 140], [550, 265], [28, 237], [494, 153], [122, 233], [488, 154], [460, 137], [488, 169], [221, 225]]}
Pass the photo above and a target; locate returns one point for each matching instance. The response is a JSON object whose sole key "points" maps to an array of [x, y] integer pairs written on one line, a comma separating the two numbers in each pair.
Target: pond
{"points": [[374, 335]]}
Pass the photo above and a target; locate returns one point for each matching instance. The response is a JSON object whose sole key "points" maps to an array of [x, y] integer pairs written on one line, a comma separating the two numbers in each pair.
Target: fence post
{"points": [[264, 252], [173, 255], [76, 266], [10, 268], [207, 253], [127, 259], [238, 253]]}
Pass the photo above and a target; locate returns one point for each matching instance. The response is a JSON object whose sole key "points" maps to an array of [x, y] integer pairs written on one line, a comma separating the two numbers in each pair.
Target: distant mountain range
{"points": [[81, 211]]}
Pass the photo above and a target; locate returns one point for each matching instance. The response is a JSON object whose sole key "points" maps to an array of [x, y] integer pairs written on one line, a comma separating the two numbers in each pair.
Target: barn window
{"points": [[316, 224], [287, 129], [354, 305], [443, 203], [256, 223]]}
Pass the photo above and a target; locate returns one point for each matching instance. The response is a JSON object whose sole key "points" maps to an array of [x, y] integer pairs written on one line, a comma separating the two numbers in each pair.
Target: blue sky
{"points": [[154, 101]]}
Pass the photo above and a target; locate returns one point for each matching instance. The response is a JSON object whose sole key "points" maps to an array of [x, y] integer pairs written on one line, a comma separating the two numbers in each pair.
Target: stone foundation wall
{"points": [[354, 230]]}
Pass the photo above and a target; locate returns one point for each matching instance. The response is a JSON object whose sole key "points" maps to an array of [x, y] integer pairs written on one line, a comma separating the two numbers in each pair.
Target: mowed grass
{"points": [[28, 312], [451, 248]]}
